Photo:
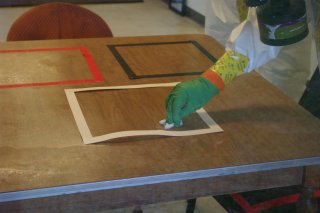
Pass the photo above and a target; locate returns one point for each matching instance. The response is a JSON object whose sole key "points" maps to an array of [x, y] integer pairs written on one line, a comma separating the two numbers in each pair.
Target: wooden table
{"points": [[268, 140]]}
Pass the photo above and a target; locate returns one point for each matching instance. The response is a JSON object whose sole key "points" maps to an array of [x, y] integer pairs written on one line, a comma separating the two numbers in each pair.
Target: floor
{"points": [[204, 205], [152, 17]]}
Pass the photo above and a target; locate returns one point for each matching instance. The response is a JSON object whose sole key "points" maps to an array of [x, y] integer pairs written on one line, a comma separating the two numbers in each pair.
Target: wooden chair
{"points": [[58, 21]]}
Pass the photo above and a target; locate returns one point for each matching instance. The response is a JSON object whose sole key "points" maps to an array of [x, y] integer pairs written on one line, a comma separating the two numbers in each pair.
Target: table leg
{"points": [[307, 203], [191, 205], [137, 209]]}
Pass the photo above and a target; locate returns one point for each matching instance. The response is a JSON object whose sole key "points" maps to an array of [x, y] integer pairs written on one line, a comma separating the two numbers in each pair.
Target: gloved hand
{"points": [[187, 97]]}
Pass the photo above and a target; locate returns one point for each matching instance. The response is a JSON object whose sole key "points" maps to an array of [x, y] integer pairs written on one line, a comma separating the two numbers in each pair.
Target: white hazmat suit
{"points": [[288, 67]]}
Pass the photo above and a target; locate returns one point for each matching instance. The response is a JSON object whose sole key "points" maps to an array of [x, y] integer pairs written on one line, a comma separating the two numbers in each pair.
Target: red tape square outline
{"points": [[97, 77]]}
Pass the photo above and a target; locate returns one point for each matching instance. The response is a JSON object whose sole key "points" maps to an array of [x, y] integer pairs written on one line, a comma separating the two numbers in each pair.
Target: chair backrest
{"points": [[58, 21]]}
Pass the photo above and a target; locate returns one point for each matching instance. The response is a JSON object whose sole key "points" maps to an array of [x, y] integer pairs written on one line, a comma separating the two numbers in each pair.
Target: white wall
{"points": [[197, 5]]}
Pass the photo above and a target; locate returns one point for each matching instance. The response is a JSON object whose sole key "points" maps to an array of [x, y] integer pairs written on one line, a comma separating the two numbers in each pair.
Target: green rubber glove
{"points": [[187, 97]]}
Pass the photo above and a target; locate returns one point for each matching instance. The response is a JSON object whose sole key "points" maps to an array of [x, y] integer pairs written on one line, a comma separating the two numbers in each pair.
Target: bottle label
{"points": [[284, 30]]}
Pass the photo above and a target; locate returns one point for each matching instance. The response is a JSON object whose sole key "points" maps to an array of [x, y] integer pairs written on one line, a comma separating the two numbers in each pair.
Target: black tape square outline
{"points": [[132, 75]]}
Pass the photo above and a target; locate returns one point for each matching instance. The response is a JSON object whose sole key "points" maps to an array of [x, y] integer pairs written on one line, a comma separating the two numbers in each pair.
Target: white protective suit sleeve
{"points": [[245, 39], [221, 18]]}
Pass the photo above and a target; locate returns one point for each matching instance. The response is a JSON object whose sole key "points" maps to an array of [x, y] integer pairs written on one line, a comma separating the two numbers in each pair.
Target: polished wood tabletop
{"points": [[43, 158]]}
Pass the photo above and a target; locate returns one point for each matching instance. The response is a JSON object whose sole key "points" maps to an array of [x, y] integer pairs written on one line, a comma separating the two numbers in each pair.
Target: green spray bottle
{"points": [[281, 22]]}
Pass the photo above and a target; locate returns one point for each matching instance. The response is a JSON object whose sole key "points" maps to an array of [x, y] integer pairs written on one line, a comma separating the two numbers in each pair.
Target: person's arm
{"points": [[244, 53], [187, 97]]}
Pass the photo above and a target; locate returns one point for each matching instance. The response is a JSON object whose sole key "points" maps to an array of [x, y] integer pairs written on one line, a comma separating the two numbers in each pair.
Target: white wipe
{"points": [[167, 125]]}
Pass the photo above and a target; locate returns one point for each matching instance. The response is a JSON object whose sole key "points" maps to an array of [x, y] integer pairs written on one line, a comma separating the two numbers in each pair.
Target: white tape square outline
{"points": [[89, 139]]}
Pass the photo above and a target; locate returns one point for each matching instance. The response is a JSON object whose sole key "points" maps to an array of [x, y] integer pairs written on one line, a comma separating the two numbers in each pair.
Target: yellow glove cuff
{"points": [[230, 65]]}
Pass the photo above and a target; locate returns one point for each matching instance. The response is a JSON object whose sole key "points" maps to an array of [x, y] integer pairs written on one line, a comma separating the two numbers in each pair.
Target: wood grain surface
{"points": [[56, 65], [121, 110], [191, 58], [41, 147]]}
